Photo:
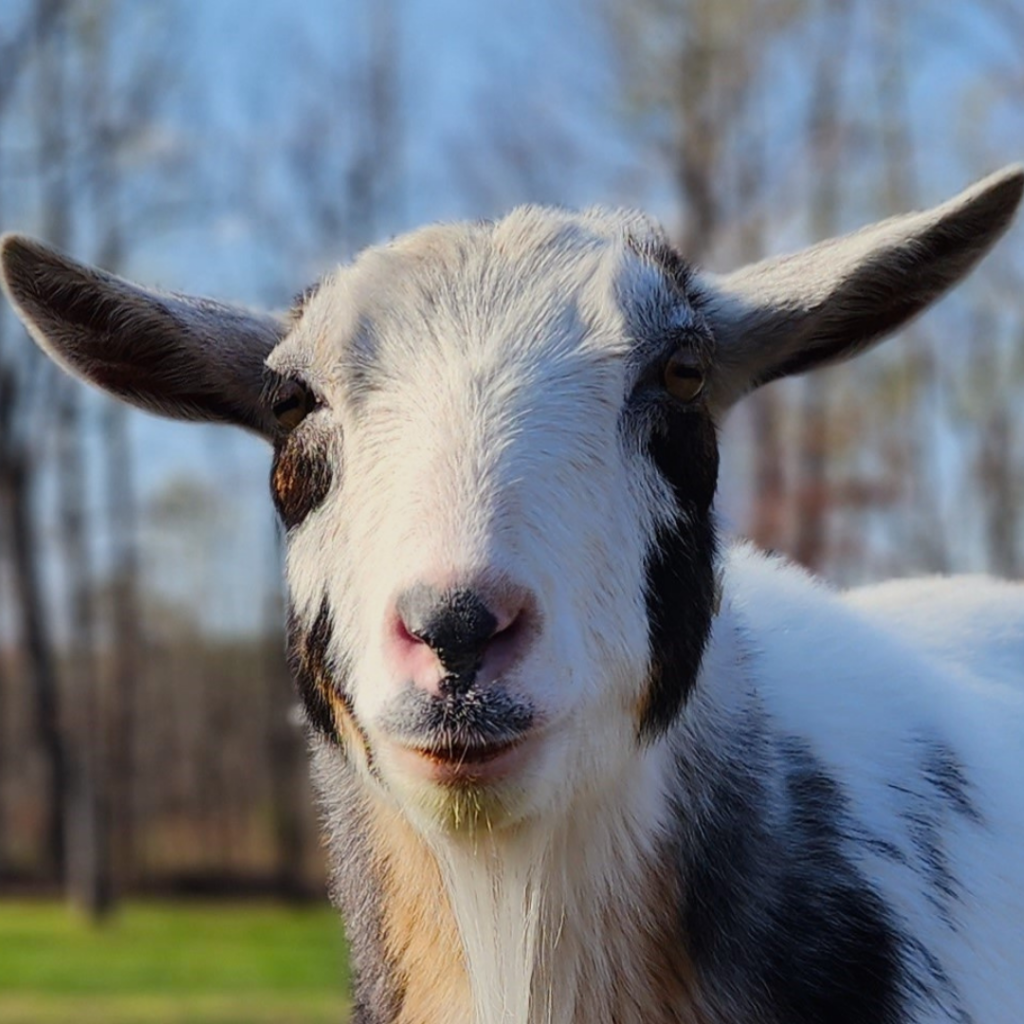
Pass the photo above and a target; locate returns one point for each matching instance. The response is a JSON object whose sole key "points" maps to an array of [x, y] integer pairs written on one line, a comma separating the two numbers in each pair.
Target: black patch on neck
{"points": [[680, 570], [926, 804], [946, 775], [307, 655], [300, 477], [779, 920]]}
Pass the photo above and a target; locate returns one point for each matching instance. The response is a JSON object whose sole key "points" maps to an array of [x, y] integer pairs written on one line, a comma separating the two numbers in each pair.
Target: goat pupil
{"points": [[683, 381], [291, 409]]}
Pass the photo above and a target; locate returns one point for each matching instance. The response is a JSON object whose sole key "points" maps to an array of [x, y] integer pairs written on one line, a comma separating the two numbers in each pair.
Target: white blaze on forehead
{"points": [[481, 407]]}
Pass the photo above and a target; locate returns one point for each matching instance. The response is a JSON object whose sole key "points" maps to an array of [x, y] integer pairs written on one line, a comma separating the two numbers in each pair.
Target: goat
{"points": [[579, 761]]}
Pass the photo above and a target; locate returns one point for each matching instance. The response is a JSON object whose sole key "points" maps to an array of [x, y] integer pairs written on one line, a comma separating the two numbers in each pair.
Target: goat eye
{"points": [[294, 402], [683, 380]]}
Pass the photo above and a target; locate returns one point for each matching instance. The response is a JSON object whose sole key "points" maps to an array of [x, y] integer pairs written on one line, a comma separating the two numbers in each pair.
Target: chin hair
{"points": [[465, 810]]}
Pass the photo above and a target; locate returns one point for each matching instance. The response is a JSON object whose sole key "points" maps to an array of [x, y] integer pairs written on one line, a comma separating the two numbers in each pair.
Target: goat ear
{"points": [[187, 358], [794, 313]]}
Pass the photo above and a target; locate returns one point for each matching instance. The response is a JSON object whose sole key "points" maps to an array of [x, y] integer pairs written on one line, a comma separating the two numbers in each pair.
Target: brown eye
{"points": [[294, 402], [683, 380]]}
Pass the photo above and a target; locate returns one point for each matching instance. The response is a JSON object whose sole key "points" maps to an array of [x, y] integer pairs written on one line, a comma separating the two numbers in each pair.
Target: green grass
{"points": [[158, 963]]}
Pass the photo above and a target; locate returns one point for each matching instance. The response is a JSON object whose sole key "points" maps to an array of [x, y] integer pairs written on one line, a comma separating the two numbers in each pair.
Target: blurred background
{"points": [[159, 858]]}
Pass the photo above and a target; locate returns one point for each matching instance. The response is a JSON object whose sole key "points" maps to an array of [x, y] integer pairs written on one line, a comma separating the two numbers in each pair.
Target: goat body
{"points": [[577, 761], [832, 834]]}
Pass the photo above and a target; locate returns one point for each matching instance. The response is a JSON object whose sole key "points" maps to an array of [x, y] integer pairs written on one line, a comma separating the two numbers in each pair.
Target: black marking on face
{"points": [[778, 919], [658, 250], [680, 570], [300, 476], [322, 684], [307, 653]]}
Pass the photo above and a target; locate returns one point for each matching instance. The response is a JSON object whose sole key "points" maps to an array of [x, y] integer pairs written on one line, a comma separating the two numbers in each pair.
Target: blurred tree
{"points": [[23, 382], [86, 109], [289, 784], [339, 185], [813, 496], [87, 860], [832, 483]]}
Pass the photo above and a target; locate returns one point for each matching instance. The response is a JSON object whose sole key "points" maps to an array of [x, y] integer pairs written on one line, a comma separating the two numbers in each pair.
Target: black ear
{"points": [[794, 313], [183, 357]]}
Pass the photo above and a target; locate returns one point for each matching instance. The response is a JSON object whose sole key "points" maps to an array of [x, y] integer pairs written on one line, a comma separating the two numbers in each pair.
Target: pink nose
{"points": [[445, 640]]}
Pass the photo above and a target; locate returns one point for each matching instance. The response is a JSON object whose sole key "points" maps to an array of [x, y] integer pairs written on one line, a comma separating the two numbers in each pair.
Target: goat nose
{"points": [[455, 624], [464, 630]]}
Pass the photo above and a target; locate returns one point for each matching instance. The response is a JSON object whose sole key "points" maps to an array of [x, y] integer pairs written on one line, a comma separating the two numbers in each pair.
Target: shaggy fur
{"points": [[729, 794]]}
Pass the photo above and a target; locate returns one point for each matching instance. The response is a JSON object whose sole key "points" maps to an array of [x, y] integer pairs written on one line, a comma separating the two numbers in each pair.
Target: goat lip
{"points": [[459, 755], [461, 764]]}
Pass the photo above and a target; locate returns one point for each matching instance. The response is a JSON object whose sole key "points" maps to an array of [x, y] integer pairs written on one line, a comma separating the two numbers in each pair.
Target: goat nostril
{"points": [[508, 631], [404, 633]]}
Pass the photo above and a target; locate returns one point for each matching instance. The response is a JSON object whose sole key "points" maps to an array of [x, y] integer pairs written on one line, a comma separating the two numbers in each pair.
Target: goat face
{"points": [[495, 458], [508, 431]]}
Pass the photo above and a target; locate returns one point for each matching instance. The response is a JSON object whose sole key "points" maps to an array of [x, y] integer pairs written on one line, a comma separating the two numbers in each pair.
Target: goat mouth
{"points": [[459, 754], [462, 764]]}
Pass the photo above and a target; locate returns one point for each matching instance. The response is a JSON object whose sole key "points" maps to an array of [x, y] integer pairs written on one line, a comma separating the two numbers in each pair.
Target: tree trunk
{"points": [[813, 490], [285, 742], [16, 495], [119, 711], [89, 876]]}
